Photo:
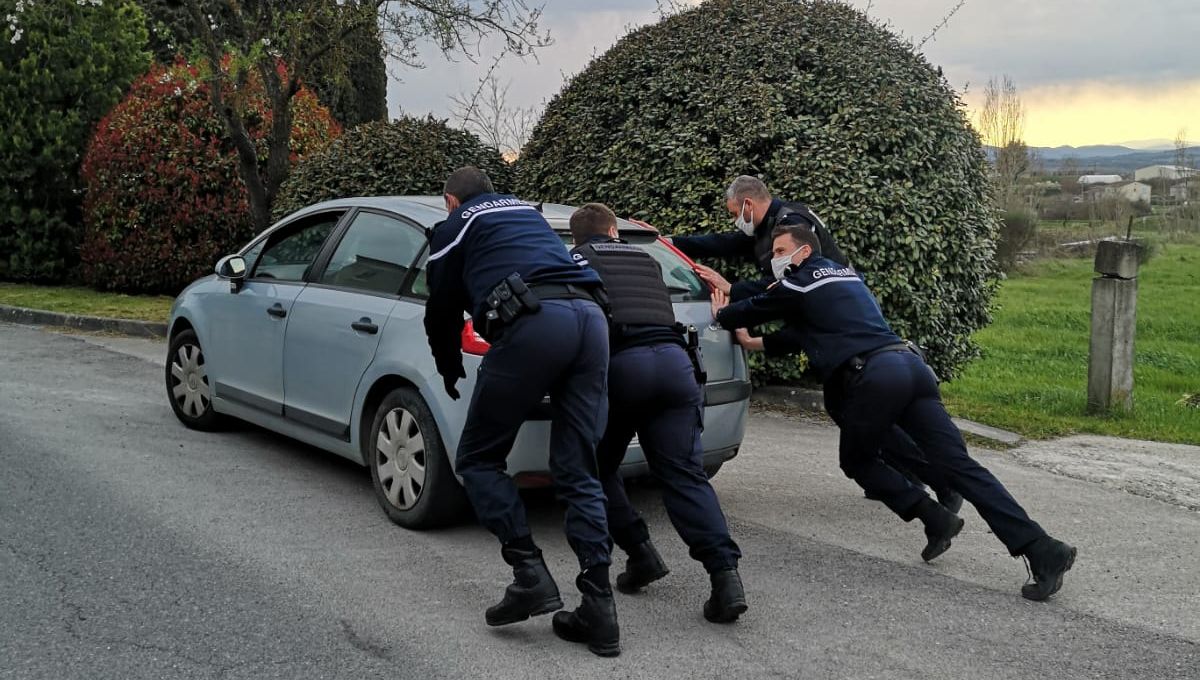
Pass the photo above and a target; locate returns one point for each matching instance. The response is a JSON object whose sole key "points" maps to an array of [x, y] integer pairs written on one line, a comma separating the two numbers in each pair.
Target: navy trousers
{"points": [[562, 350], [653, 393], [897, 389]]}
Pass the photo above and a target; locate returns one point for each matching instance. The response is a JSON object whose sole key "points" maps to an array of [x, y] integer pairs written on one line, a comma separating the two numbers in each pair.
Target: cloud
{"points": [[1100, 71], [1042, 43]]}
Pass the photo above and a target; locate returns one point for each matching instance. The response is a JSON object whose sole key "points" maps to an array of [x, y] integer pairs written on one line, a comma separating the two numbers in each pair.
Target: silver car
{"points": [[314, 330]]}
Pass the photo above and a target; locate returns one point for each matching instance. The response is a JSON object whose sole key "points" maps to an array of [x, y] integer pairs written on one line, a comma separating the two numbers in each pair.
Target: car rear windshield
{"points": [[684, 284]]}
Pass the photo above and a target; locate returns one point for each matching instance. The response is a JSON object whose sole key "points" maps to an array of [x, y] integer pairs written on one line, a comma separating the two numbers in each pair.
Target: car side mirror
{"points": [[232, 267]]}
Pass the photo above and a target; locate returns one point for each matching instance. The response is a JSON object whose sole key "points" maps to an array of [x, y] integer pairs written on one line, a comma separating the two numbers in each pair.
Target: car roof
{"points": [[428, 211]]}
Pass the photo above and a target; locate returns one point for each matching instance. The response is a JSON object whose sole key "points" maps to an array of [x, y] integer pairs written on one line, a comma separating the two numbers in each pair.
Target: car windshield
{"points": [[684, 284]]}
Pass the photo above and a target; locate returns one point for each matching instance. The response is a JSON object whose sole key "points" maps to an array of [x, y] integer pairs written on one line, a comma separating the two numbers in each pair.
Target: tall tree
{"points": [[354, 87], [1002, 126], [282, 40]]}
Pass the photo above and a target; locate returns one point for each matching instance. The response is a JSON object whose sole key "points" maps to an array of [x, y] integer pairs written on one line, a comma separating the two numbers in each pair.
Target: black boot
{"points": [[941, 525], [643, 567], [594, 622], [532, 591], [1048, 559], [728, 599], [950, 499]]}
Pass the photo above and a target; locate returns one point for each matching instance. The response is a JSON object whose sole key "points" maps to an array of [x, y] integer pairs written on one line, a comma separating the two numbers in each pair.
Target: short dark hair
{"points": [[468, 182], [802, 234], [591, 219]]}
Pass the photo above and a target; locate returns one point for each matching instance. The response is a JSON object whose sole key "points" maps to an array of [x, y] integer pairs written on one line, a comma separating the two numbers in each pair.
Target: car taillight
{"points": [[472, 342]]}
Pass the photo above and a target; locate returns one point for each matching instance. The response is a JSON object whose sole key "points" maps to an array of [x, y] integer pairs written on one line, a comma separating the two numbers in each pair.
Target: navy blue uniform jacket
{"points": [[827, 310], [488, 238], [757, 248]]}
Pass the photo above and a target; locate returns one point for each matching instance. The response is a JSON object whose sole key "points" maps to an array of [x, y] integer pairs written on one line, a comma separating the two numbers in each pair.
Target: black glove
{"points": [[451, 379]]}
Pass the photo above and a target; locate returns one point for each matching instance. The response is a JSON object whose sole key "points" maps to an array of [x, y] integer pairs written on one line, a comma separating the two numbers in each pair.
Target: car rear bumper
{"points": [[724, 428], [715, 394]]}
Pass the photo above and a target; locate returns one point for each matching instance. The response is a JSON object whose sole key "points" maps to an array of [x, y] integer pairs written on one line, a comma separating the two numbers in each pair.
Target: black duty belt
{"points": [[857, 362], [562, 291]]}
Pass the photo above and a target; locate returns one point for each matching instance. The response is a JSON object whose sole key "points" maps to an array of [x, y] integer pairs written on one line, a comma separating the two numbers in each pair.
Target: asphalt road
{"points": [[131, 547]]}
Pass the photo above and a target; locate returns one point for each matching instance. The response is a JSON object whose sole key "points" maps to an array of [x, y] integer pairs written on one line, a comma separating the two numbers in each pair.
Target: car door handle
{"points": [[364, 325], [276, 310]]}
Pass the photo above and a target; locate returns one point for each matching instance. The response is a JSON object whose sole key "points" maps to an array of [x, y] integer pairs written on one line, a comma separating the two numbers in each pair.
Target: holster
{"points": [[694, 351], [508, 300]]}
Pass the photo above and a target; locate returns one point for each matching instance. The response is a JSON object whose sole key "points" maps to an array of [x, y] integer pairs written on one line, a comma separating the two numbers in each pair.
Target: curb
{"points": [[38, 317], [813, 401]]}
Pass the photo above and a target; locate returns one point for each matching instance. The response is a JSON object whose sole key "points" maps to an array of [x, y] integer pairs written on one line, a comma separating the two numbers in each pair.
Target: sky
{"points": [[1095, 72]]}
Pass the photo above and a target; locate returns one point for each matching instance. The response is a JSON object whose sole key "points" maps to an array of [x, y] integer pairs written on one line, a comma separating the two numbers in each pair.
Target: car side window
{"points": [[288, 257], [420, 284], [251, 255], [374, 255]]}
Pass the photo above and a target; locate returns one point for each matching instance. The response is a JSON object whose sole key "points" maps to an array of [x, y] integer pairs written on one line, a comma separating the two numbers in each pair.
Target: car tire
{"points": [[188, 386], [713, 469], [410, 472]]}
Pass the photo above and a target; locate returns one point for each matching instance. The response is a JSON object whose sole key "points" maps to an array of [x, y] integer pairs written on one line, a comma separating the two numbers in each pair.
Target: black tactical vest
{"points": [[636, 292], [763, 242]]}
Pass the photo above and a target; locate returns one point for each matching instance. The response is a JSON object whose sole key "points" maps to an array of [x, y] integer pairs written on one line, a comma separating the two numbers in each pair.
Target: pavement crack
{"points": [[74, 613]]}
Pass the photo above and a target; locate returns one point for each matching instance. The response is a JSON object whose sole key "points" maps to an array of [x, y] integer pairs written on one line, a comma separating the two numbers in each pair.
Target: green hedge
{"points": [[827, 107], [63, 65], [405, 156]]}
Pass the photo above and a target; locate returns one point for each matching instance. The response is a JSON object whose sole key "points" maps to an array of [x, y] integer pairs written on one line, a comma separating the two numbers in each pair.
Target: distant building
{"points": [[1099, 179], [1179, 192], [1130, 191], [1167, 172]]}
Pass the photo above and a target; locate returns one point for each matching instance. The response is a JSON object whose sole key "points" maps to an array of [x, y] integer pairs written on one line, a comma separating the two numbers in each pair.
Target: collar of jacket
{"points": [[768, 220], [602, 238]]}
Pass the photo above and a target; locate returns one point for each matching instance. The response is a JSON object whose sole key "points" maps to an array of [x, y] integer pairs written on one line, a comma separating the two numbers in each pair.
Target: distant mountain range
{"points": [[1109, 158]]}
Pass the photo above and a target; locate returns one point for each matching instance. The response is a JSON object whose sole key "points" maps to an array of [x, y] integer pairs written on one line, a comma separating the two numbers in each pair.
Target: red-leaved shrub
{"points": [[163, 196]]}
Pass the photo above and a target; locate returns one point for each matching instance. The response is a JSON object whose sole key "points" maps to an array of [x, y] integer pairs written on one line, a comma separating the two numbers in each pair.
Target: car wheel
{"points": [[712, 470], [188, 386], [411, 474]]}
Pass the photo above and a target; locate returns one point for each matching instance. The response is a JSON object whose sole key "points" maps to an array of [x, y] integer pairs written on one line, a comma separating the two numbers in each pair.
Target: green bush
{"points": [[828, 108], [405, 156], [1017, 229], [164, 197], [63, 65]]}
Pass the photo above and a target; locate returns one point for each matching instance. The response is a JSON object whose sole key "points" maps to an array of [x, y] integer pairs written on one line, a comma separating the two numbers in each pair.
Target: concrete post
{"points": [[1114, 319]]}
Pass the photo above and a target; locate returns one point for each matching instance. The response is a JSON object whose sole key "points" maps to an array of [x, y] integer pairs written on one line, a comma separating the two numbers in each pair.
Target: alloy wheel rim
{"points": [[190, 387], [400, 458]]}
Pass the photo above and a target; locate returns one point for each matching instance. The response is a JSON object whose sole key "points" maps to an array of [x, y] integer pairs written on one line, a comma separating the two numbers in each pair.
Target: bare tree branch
{"points": [[488, 114], [941, 24], [280, 41]]}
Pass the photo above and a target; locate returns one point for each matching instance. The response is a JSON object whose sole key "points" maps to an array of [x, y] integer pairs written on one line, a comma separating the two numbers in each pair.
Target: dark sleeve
{"points": [[444, 309], [748, 289], [782, 342], [733, 244], [829, 247], [777, 302]]}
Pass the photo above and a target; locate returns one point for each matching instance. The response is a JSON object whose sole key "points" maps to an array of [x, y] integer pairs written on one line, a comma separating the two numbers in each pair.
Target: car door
{"points": [[246, 331], [336, 322]]}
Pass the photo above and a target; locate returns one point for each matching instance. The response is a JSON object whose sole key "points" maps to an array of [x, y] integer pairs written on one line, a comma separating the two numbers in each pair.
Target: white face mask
{"points": [[745, 224], [780, 264]]}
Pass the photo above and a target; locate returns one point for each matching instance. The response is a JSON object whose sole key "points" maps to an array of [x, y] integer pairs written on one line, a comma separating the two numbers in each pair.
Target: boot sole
{"points": [[624, 585], [728, 614], [933, 552], [610, 649], [1037, 596], [598, 648], [545, 607]]}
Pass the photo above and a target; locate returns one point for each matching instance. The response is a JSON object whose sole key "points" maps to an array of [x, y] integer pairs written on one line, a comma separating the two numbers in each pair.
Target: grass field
{"points": [[1032, 377], [86, 301]]}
